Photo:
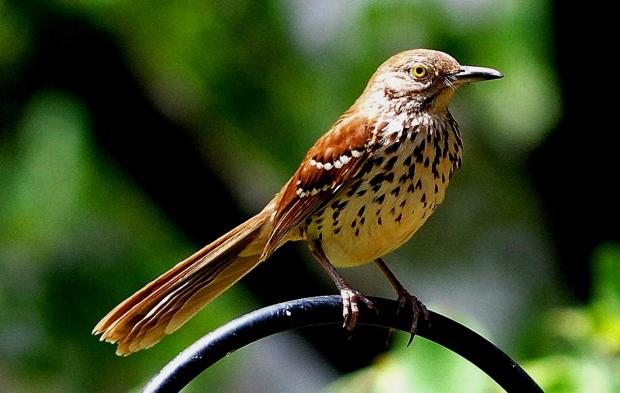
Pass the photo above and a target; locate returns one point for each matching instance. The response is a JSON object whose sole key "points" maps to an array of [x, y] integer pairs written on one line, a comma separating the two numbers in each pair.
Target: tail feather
{"points": [[166, 303]]}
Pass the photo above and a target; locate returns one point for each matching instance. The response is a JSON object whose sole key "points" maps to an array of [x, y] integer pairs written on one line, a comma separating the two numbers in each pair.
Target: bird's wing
{"points": [[333, 160]]}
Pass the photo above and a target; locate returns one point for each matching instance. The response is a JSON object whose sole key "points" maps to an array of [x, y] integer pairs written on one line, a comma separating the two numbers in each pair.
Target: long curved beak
{"points": [[468, 74]]}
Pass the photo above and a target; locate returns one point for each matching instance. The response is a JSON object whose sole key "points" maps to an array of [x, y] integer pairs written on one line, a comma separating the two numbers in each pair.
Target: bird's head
{"points": [[425, 78]]}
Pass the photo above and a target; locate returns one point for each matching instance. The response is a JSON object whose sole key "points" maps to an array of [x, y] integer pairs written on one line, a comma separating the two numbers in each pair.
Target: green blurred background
{"points": [[132, 133]]}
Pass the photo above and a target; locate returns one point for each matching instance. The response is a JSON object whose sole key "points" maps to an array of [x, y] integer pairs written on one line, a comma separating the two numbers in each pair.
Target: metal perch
{"points": [[327, 310]]}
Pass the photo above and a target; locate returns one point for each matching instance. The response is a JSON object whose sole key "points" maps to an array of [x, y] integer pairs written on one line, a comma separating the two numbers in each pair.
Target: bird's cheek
{"points": [[401, 90], [397, 84]]}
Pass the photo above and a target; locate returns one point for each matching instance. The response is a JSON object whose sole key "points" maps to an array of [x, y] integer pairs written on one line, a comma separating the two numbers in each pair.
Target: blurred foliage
{"points": [[13, 37], [578, 349], [261, 81], [69, 221]]}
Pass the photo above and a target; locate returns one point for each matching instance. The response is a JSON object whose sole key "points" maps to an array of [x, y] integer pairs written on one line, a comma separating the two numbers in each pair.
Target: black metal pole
{"points": [[324, 310]]}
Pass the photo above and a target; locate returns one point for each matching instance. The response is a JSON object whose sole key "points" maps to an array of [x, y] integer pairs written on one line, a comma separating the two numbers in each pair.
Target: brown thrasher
{"points": [[361, 191]]}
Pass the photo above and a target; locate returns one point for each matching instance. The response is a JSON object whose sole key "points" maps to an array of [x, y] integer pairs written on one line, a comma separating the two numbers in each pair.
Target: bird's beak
{"points": [[468, 74]]}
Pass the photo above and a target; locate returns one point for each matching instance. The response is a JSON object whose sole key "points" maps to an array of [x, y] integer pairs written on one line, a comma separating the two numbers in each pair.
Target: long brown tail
{"points": [[166, 303]]}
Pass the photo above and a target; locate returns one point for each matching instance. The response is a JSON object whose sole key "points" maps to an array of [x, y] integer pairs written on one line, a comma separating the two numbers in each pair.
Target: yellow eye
{"points": [[419, 71]]}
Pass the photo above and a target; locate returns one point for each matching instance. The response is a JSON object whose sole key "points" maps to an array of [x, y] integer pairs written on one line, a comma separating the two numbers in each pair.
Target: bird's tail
{"points": [[166, 303]]}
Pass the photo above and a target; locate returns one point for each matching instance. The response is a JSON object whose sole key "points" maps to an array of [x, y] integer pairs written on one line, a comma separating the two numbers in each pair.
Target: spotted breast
{"points": [[392, 194]]}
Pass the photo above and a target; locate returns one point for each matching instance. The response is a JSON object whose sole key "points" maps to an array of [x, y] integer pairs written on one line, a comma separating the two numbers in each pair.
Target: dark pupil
{"points": [[419, 70]]}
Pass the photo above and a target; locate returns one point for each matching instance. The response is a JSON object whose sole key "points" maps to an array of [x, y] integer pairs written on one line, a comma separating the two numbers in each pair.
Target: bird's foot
{"points": [[408, 301], [350, 306]]}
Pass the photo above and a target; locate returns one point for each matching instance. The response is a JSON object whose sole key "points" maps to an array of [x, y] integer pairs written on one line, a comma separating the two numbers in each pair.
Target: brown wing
{"points": [[333, 160]]}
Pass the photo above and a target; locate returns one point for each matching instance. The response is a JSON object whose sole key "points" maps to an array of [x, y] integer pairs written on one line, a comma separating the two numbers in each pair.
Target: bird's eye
{"points": [[419, 71]]}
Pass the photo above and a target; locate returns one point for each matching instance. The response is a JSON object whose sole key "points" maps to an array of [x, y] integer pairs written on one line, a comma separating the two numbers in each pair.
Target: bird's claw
{"points": [[405, 299], [350, 306]]}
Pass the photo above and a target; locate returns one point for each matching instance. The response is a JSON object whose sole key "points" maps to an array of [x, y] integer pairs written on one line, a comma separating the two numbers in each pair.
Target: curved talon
{"points": [[417, 308], [350, 306]]}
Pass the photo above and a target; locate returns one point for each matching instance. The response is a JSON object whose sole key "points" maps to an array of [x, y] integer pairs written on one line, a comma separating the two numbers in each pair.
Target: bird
{"points": [[361, 191]]}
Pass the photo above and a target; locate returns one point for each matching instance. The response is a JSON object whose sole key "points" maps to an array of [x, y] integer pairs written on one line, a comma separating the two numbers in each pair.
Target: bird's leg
{"points": [[350, 297], [405, 298]]}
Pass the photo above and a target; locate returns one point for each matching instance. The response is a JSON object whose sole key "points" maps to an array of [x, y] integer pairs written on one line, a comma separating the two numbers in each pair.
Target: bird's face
{"points": [[426, 78]]}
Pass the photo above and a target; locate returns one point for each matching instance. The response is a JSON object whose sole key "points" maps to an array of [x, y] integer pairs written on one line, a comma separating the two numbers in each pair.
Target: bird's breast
{"points": [[388, 200]]}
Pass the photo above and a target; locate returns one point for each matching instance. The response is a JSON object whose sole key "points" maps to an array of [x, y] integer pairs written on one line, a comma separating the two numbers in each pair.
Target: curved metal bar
{"points": [[323, 310]]}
